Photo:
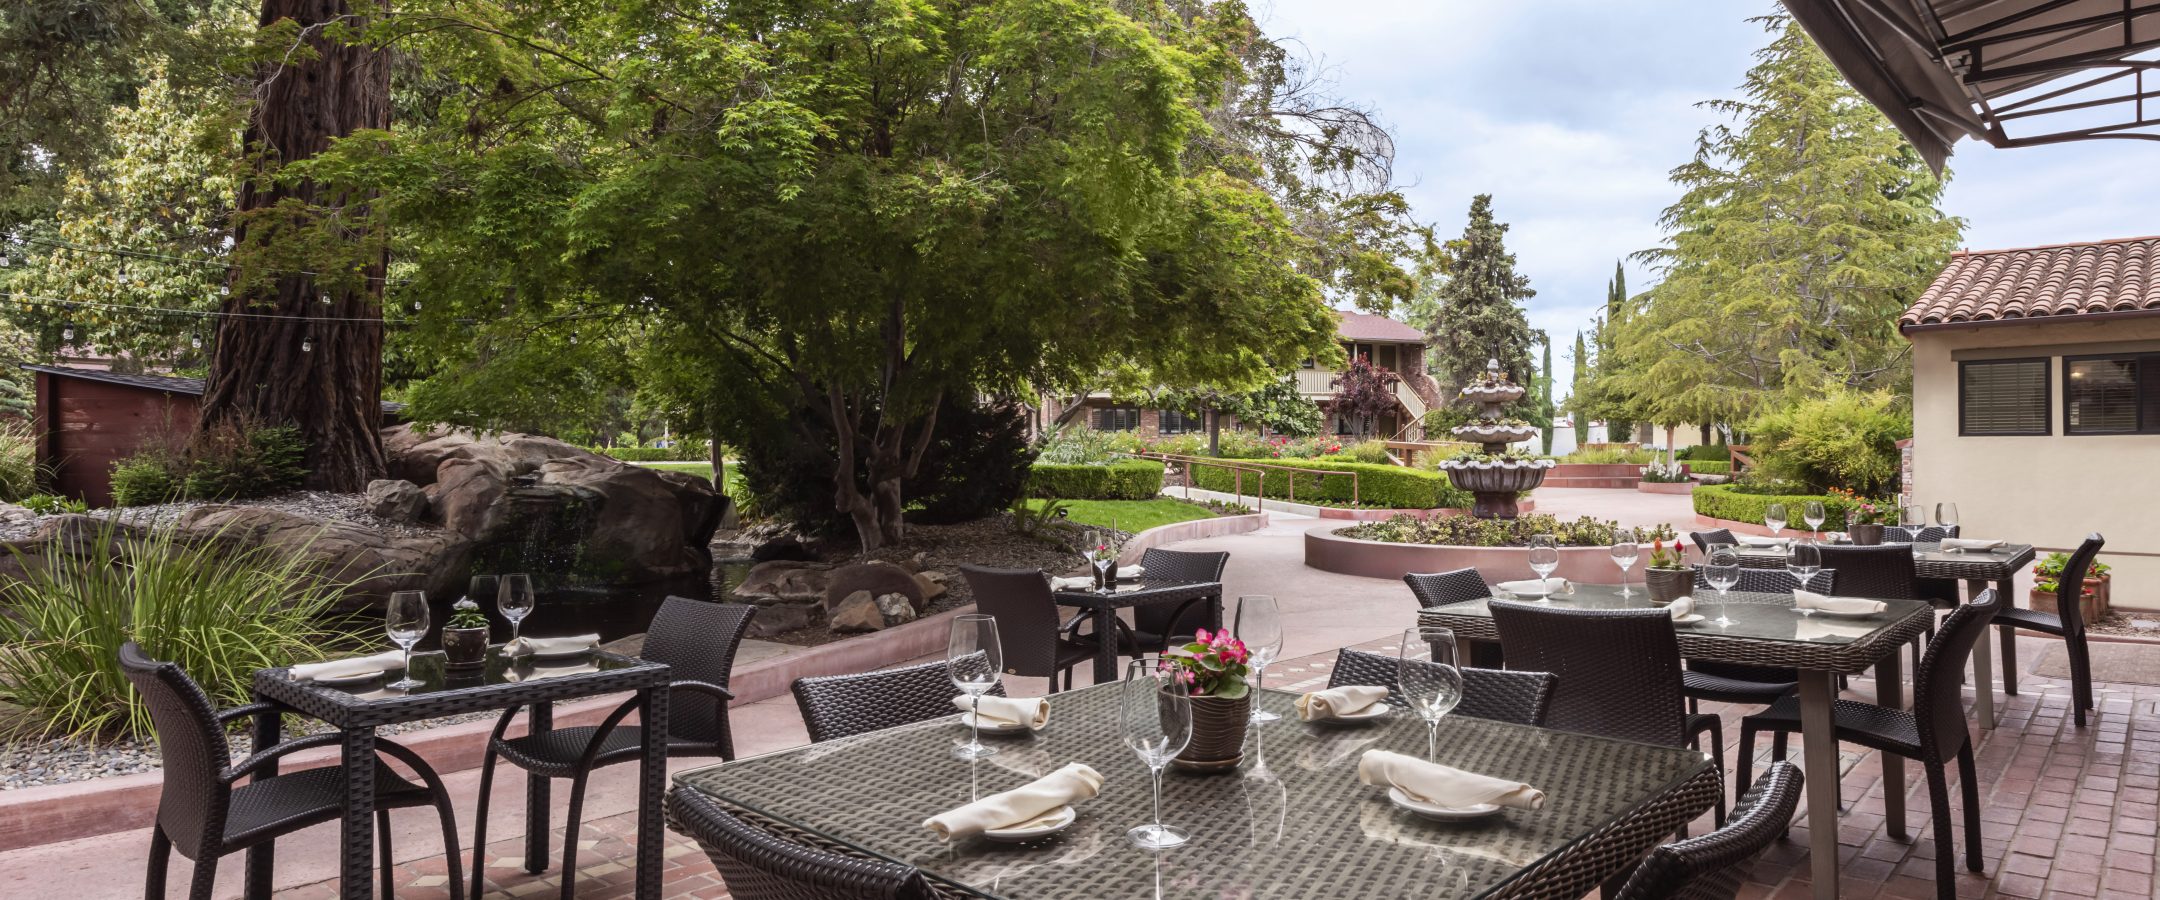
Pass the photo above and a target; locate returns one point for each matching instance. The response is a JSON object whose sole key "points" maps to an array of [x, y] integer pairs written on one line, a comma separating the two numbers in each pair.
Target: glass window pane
{"points": [[2102, 396], [2003, 397]]}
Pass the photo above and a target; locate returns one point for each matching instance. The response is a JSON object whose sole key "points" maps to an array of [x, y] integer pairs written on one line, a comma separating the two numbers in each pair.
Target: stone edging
{"points": [[62, 812], [1665, 487], [1330, 552], [1192, 530]]}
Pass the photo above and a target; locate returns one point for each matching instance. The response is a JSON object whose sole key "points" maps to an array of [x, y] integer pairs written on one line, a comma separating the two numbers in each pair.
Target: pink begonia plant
{"points": [[1213, 665]]}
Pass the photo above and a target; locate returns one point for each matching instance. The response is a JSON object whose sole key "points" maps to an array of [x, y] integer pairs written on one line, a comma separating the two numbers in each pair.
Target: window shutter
{"points": [[2003, 397]]}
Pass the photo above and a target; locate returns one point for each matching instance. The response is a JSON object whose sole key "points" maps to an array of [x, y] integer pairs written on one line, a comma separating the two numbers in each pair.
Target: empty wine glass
{"points": [[406, 622], [1814, 515], [973, 657], [1946, 515], [1155, 717], [1912, 517], [1544, 558], [1774, 516], [1722, 570], [1432, 688], [1259, 625], [1803, 559], [514, 599], [1624, 553]]}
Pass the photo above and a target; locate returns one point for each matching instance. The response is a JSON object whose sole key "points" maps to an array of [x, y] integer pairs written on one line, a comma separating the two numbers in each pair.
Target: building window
{"points": [[2003, 397], [1171, 421], [1117, 418], [2112, 394]]}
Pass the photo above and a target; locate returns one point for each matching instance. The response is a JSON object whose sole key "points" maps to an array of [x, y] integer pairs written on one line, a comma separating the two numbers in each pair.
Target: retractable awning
{"points": [[2013, 73]]}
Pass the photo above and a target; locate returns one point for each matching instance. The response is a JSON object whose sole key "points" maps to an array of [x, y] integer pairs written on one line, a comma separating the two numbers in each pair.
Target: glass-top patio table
{"points": [[1767, 631], [1293, 822], [1103, 606]]}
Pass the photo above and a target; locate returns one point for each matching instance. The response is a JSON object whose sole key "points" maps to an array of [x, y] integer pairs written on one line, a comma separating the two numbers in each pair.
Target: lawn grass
{"points": [[1131, 516], [702, 470]]}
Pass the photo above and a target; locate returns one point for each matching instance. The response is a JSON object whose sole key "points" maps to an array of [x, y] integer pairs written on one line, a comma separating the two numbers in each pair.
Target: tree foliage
{"points": [[1476, 313], [1844, 439], [1363, 392]]}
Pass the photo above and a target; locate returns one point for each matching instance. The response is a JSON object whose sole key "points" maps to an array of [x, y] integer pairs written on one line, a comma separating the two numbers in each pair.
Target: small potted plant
{"points": [[1864, 519], [1213, 669], [465, 636], [1669, 577], [2093, 600]]}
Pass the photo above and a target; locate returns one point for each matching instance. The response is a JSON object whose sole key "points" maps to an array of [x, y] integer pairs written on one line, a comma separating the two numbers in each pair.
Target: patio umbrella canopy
{"points": [[2012, 73]]}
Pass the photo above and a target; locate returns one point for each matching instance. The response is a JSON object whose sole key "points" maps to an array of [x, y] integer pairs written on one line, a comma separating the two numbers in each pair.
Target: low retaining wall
{"points": [[1330, 552], [1197, 529], [1593, 475], [1665, 487]]}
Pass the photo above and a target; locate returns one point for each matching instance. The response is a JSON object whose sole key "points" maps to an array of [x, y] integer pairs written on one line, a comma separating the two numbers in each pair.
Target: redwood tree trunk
{"points": [[332, 391]]}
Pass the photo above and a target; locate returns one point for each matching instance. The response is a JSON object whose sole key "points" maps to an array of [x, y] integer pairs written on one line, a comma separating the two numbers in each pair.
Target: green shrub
{"points": [[1375, 452], [1717, 452], [1607, 456], [1847, 439], [1710, 467], [1466, 531], [144, 480], [1738, 503], [19, 469], [219, 611], [976, 463], [1381, 486], [687, 451], [1077, 447], [49, 504], [1130, 479], [238, 460]]}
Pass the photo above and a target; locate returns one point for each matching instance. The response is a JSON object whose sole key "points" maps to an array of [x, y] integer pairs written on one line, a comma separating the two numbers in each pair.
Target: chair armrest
{"points": [[703, 687], [251, 709], [241, 769], [1071, 628]]}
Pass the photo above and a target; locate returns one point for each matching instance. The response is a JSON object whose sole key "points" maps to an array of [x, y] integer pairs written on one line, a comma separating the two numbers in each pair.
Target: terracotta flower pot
{"points": [[1218, 734], [2093, 605], [464, 648], [1865, 535], [1667, 585]]}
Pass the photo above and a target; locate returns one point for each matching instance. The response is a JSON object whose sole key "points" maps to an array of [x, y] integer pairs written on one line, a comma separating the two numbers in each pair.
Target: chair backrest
{"points": [[1936, 704], [836, 706], [1704, 540], [2072, 585], [191, 746], [1442, 588], [1772, 581], [1026, 614], [1178, 565], [697, 639], [1500, 695], [1713, 866], [757, 865], [1881, 573], [1619, 669]]}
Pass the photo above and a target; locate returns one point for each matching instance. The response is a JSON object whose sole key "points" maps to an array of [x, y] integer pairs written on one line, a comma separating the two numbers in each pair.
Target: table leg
{"points": [[356, 871], [262, 858], [1819, 756], [652, 785], [540, 717], [1106, 644], [1983, 665], [1890, 687]]}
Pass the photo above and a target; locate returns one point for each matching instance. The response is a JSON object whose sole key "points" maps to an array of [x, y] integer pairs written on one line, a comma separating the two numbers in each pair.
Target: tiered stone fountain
{"points": [[1496, 480]]}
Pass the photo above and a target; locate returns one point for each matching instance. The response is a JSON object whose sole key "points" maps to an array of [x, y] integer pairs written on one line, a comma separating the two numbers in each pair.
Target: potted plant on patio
{"points": [[465, 636], [1864, 519], [2093, 600], [1213, 669], [1669, 577]]}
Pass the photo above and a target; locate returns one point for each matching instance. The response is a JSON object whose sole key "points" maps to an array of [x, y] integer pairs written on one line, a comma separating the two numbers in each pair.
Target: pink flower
{"points": [[1201, 635]]}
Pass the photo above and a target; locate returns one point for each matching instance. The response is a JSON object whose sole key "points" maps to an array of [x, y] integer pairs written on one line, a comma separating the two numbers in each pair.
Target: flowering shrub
{"points": [[1213, 665], [1465, 531], [1863, 511], [1665, 473], [2049, 571], [1663, 556]]}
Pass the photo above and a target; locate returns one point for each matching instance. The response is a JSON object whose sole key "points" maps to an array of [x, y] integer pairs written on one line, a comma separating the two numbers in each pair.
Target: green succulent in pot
{"points": [[465, 636]]}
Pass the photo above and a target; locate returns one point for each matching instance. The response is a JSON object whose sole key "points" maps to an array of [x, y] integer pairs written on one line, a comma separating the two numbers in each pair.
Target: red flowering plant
{"points": [[1862, 511], [1213, 665], [1662, 557]]}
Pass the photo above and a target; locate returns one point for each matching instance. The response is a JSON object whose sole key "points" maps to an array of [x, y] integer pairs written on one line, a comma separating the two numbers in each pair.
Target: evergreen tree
{"points": [[1576, 407], [1478, 313], [1545, 410]]}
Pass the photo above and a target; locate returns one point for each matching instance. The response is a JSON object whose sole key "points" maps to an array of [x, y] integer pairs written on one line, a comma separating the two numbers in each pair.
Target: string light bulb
{"points": [[307, 346], [326, 299], [195, 341], [3, 261], [416, 306], [224, 290], [67, 333]]}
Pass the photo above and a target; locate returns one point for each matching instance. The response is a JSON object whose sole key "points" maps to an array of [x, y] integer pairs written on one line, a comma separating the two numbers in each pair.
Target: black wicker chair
{"points": [[1443, 588], [1932, 733], [1497, 694], [1035, 644], [836, 706], [697, 640], [1619, 672], [1706, 539], [1155, 624], [1724, 682], [756, 865], [1713, 866], [207, 818], [2068, 623]]}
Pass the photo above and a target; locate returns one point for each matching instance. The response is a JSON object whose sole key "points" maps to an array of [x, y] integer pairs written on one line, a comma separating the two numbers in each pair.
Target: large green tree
{"points": [[1546, 412], [1578, 407], [1802, 230], [1476, 313]]}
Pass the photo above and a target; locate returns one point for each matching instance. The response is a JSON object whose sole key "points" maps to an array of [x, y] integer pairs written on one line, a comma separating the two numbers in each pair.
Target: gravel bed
{"points": [[19, 524], [2137, 625], [35, 762]]}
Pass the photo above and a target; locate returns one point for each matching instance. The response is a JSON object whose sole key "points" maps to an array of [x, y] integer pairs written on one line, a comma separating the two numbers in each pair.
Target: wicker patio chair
{"points": [[1932, 733], [1882, 572], [1497, 694], [2067, 622], [836, 706], [1724, 682], [1713, 866], [202, 814], [757, 865], [1035, 644], [697, 639], [1155, 625], [1619, 672], [1706, 539], [1443, 588]]}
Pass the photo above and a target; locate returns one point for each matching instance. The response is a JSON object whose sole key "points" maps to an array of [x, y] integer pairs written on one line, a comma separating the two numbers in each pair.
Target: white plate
{"points": [[1689, 619], [989, 726], [1401, 800], [1044, 825], [355, 678], [1378, 710], [561, 653], [1845, 615]]}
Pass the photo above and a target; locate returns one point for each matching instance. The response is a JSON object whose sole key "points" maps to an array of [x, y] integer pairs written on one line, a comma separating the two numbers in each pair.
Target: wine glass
{"points": [[1544, 558], [406, 622], [1803, 559], [1099, 543], [1624, 553], [1814, 515], [973, 657], [1431, 688], [1946, 515], [1912, 517], [1774, 516], [514, 599], [1155, 716], [1259, 625], [1722, 570]]}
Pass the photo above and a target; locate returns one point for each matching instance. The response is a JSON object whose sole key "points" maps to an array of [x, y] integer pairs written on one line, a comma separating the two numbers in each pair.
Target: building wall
{"points": [[85, 426], [2050, 490]]}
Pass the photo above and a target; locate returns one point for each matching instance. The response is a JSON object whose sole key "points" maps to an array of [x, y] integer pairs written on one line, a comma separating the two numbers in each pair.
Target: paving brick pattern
{"points": [[2067, 813]]}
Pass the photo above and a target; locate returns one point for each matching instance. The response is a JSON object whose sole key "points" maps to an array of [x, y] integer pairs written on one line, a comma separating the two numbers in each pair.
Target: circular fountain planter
{"points": [[1329, 551], [1496, 484]]}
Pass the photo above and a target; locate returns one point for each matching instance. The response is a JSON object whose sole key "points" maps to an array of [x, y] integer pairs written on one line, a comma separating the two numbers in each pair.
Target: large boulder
{"points": [[395, 499], [856, 613], [876, 578], [783, 580]]}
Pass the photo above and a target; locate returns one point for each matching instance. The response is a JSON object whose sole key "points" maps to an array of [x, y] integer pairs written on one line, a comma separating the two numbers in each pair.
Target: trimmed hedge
{"points": [[1710, 467], [1720, 501], [1126, 479], [1379, 485], [1707, 453], [686, 453]]}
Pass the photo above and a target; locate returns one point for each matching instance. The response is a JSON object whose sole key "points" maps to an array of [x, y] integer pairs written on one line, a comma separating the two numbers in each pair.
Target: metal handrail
{"points": [[1238, 469]]}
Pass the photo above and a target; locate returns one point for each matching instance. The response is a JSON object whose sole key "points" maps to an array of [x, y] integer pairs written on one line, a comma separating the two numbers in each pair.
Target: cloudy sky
{"points": [[1571, 112]]}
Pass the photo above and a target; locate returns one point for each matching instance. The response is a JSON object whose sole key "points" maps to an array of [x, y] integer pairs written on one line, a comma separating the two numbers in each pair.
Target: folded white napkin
{"points": [[1534, 586], [1083, 582], [1970, 544], [1342, 701], [571, 644], [1066, 786], [386, 661], [1812, 600], [1441, 785], [1756, 540], [1029, 711], [1680, 607]]}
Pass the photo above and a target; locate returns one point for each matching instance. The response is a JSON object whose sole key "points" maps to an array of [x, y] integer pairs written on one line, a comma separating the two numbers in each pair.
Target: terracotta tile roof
{"points": [[1357, 326], [2035, 282]]}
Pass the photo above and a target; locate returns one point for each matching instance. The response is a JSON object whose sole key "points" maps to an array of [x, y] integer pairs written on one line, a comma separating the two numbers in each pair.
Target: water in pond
{"points": [[570, 607]]}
